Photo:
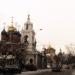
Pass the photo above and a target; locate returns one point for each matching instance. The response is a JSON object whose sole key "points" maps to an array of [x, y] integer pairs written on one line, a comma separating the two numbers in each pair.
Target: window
{"points": [[26, 38], [26, 26]]}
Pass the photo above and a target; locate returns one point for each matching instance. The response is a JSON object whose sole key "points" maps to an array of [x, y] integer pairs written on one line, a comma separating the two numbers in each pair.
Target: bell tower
{"points": [[28, 37], [28, 25]]}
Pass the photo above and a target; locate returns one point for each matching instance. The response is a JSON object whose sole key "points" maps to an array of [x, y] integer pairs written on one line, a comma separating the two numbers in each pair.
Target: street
{"points": [[48, 72]]}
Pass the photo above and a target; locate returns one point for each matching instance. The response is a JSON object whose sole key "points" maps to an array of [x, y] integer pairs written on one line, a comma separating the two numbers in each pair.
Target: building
{"points": [[16, 47], [11, 51], [50, 53], [28, 39]]}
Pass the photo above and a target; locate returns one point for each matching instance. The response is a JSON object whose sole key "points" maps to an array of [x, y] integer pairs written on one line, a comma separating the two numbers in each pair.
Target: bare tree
{"points": [[71, 48]]}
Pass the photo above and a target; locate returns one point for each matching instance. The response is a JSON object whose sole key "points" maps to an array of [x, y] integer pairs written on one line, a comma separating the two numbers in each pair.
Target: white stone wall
{"points": [[31, 39]]}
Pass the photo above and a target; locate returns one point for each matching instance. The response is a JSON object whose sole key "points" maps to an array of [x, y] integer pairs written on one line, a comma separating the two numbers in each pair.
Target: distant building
{"points": [[50, 53]]}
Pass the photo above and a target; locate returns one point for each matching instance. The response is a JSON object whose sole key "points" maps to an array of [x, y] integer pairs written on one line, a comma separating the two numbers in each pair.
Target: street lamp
{"points": [[36, 34]]}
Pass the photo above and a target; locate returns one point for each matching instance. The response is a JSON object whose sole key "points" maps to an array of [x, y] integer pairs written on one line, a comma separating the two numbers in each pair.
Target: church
{"points": [[18, 46], [10, 46], [28, 39]]}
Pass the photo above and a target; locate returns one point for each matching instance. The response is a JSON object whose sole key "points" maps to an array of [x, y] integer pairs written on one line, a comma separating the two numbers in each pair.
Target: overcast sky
{"points": [[55, 17]]}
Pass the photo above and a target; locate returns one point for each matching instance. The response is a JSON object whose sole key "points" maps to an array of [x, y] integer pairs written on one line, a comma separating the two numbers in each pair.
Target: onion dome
{"points": [[50, 49], [17, 33], [28, 21], [11, 29], [4, 32]]}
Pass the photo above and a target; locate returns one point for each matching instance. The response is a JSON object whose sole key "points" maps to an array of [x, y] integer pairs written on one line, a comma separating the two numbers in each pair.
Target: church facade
{"points": [[10, 46], [28, 39], [21, 46]]}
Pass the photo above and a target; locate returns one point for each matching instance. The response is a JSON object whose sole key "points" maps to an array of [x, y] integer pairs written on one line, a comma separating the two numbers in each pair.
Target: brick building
{"points": [[11, 51]]}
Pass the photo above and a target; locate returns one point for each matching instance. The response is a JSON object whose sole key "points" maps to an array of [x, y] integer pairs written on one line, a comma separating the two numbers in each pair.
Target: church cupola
{"points": [[28, 25], [4, 35], [11, 28], [3, 32]]}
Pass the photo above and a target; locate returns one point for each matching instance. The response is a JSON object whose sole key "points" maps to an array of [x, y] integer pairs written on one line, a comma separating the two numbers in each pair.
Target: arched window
{"points": [[26, 26], [26, 38]]}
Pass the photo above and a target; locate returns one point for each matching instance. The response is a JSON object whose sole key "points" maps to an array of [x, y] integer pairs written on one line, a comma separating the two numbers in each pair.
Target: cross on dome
{"points": [[28, 17], [12, 21]]}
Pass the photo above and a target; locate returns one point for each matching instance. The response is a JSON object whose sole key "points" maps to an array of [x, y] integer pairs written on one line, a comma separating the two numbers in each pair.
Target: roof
{"points": [[4, 32]]}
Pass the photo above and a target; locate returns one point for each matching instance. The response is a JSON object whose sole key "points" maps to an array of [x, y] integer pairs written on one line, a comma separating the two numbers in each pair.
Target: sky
{"points": [[56, 18]]}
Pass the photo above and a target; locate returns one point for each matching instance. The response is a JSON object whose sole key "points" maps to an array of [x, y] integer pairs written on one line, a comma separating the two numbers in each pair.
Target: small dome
{"points": [[52, 49], [49, 47], [17, 33], [3, 32], [28, 21], [11, 29]]}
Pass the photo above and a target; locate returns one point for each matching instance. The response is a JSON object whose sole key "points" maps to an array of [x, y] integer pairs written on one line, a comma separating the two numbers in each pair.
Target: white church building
{"points": [[29, 41]]}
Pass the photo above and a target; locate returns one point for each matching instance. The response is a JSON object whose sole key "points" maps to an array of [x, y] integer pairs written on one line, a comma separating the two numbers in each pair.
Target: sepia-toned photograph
{"points": [[37, 37]]}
